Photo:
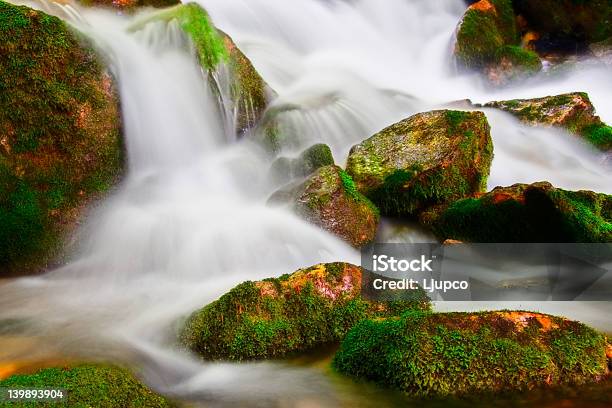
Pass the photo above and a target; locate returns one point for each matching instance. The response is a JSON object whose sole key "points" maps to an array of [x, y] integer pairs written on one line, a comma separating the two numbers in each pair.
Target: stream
{"points": [[189, 220]]}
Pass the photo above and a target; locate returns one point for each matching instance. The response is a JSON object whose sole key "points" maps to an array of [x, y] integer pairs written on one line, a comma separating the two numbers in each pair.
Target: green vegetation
{"points": [[599, 135], [274, 318], [427, 159], [525, 213], [89, 386], [196, 23], [524, 60], [438, 354], [60, 134], [483, 31]]}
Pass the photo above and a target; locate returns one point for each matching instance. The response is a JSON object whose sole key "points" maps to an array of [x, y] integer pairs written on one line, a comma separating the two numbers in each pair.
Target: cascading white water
{"points": [[190, 221]]}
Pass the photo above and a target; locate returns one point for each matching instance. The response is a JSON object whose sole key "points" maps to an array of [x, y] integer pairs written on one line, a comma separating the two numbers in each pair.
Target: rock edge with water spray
{"points": [[440, 354], [277, 317], [216, 51], [572, 111]]}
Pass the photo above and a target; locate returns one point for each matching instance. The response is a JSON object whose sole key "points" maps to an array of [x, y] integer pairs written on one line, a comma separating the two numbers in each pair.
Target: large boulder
{"points": [[231, 74], [60, 143], [275, 317], [439, 354], [488, 40], [329, 199], [89, 386], [572, 111], [427, 159], [535, 212]]}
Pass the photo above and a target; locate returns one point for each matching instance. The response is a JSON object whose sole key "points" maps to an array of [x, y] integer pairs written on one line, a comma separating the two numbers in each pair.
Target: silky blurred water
{"points": [[190, 221]]}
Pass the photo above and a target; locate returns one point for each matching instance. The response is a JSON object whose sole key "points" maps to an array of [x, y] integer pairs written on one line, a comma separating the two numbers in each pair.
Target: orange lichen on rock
{"points": [[330, 287], [522, 319], [484, 6], [8, 369]]}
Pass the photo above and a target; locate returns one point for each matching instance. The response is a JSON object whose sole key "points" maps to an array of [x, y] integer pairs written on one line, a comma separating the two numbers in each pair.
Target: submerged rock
{"points": [[60, 141], [535, 212], [488, 40], [439, 354], [231, 73], [91, 386], [275, 317], [572, 111], [285, 169], [427, 159]]}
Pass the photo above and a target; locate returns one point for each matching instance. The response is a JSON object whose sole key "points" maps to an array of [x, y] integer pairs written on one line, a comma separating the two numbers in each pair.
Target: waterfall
{"points": [[189, 220]]}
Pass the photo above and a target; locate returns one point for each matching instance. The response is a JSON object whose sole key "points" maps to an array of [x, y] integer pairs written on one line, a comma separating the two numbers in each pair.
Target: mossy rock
{"points": [[60, 141], [89, 386], [535, 212], [274, 318], [219, 55], [129, 5], [249, 92], [584, 21], [329, 199], [427, 159], [440, 354], [488, 40], [571, 111]]}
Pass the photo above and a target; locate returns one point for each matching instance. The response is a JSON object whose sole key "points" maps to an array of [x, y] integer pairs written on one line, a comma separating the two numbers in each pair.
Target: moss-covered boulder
{"points": [[88, 386], [572, 111], [231, 74], [439, 354], [535, 212], [60, 139], [488, 40], [276, 317], [584, 21], [329, 199], [429, 158]]}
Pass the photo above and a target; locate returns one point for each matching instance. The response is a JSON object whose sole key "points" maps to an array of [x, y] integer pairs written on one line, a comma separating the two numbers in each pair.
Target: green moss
{"points": [[196, 23], [313, 158], [427, 354], [89, 386], [482, 33], [59, 123], [527, 213], [521, 59], [599, 135], [278, 317]]}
